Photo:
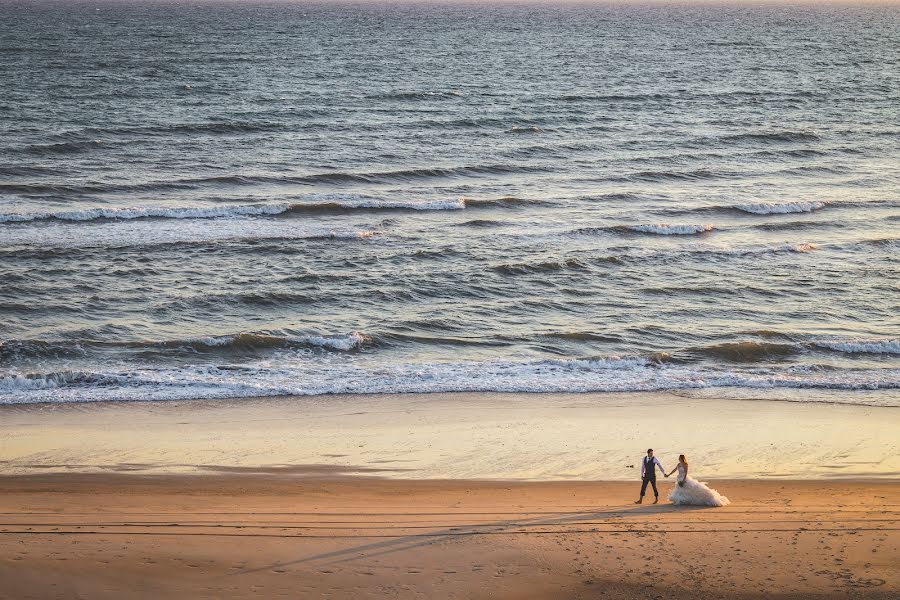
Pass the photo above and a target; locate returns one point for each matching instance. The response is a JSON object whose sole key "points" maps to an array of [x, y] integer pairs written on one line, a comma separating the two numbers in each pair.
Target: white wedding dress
{"points": [[693, 492]]}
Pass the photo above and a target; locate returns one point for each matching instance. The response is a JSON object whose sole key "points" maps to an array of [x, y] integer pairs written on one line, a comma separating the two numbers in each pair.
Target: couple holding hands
{"points": [[689, 491]]}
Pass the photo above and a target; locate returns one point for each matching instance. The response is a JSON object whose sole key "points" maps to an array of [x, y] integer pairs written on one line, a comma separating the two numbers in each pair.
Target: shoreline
{"points": [[741, 394]]}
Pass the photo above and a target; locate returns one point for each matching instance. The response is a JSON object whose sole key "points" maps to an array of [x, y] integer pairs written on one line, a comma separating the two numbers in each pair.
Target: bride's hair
{"points": [[682, 458]]}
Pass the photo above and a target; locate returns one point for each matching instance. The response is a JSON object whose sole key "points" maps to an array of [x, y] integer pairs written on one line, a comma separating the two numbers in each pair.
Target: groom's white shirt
{"points": [[654, 461]]}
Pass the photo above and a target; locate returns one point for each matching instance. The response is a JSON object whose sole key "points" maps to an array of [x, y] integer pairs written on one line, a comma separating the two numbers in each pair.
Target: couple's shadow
{"points": [[399, 543], [648, 508]]}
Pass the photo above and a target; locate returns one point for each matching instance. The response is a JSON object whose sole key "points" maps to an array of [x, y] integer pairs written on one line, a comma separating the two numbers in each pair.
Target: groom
{"points": [[648, 475]]}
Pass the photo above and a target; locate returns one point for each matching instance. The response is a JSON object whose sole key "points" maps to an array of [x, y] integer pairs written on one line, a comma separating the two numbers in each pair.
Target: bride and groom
{"points": [[687, 491]]}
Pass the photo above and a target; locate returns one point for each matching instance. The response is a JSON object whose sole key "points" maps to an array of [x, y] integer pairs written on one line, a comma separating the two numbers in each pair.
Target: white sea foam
{"points": [[144, 212], [334, 342], [772, 208], [334, 374], [801, 248], [318, 203], [217, 341], [344, 342], [122, 234], [667, 229], [11, 384], [862, 346], [60, 379], [458, 204]]}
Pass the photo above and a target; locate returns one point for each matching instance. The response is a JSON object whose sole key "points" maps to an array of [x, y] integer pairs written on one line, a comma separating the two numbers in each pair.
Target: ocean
{"points": [[203, 200]]}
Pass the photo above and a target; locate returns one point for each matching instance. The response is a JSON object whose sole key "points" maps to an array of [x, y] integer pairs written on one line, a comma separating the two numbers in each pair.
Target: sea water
{"points": [[203, 200]]}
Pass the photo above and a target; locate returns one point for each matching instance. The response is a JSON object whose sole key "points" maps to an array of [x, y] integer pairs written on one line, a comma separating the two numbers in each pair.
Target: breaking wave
{"points": [[334, 204], [147, 212], [315, 377], [11, 350], [503, 202], [213, 212], [343, 343], [525, 129], [861, 346], [801, 248], [148, 234], [771, 208], [666, 229], [374, 204]]}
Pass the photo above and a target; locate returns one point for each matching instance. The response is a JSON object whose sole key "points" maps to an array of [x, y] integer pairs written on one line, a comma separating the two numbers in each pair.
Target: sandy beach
{"points": [[312, 533], [446, 496]]}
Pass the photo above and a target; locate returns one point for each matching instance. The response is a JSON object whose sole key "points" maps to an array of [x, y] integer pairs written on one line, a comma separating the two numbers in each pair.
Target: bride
{"points": [[690, 491]]}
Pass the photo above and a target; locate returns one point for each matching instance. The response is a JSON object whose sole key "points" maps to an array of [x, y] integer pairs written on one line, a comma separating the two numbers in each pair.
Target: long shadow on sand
{"points": [[407, 542]]}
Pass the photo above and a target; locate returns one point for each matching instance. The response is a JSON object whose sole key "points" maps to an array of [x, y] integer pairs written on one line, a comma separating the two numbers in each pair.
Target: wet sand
{"points": [[459, 436], [314, 533]]}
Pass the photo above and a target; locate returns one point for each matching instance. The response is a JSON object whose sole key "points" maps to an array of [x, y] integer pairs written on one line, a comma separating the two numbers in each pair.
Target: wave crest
{"points": [[59, 379], [525, 129], [800, 248], [772, 208], [11, 350], [503, 202], [216, 212], [861, 346], [250, 340], [667, 229], [146, 212], [748, 351], [541, 267], [327, 204]]}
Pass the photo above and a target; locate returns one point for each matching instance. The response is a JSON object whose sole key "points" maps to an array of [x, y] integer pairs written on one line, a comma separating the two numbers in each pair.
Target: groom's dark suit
{"points": [[648, 474]]}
